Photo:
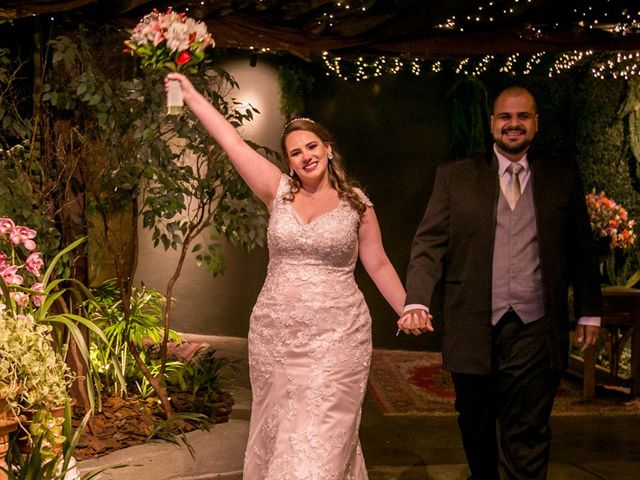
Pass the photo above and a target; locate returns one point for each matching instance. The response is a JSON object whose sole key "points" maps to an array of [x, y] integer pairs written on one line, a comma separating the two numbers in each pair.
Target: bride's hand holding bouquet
{"points": [[170, 42], [185, 88]]}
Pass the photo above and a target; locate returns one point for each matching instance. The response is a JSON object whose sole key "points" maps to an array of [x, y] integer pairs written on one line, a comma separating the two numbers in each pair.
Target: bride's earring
{"points": [[291, 172], [330, 156]]}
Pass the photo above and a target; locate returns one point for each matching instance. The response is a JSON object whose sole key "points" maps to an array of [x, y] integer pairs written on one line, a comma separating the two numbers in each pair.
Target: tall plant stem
{"points": [[195, 230]]}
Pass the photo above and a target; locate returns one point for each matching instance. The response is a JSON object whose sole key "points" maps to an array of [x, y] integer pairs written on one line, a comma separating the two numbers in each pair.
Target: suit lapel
{"points": [[487, 182]]}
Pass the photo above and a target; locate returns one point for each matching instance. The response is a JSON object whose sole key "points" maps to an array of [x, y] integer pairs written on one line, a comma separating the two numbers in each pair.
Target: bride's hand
{"points": [[186, 86], [415, 322]]}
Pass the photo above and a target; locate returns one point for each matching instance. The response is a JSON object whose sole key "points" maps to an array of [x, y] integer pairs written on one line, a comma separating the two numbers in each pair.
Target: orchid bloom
{"points": [[37, 299], [4, 260], [6, 225], [23, 235], [21, 298], [10, 276], [34, 263]]}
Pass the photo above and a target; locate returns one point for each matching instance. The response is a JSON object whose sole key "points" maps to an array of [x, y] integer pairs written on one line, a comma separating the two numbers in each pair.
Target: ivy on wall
{"points": [[595, 122], [469, 115], [630, 110], [603, 152], [296, 83]]}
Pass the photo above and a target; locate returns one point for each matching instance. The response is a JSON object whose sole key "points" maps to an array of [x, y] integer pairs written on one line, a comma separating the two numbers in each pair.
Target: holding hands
{"points": [[415, 321]]}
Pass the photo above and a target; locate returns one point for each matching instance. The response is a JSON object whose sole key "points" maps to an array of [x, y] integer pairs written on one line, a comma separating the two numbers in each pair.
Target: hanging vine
{"points": [[630, 109]]}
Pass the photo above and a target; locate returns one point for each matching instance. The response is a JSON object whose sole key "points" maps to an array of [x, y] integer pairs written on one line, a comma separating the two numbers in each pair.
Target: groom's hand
{"points": [[587, 335], [415, 321]]}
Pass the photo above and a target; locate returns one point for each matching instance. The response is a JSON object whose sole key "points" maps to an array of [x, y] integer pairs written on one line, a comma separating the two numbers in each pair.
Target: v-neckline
{"points": [[315, 219]]}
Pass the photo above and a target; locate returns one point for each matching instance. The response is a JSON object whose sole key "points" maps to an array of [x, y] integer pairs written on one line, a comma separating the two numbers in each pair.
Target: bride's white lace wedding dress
{"points": [[309, 350]]}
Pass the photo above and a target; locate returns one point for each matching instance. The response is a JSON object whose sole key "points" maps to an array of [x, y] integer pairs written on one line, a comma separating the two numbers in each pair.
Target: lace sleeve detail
{"points": [[283, 189], [363, 197]]}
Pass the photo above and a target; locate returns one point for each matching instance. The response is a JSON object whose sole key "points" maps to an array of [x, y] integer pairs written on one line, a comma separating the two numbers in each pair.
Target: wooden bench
{"points": [[620, 320]]}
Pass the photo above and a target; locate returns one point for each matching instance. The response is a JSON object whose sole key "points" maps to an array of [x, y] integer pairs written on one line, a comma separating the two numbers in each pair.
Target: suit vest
{"points": [[517, 281]]}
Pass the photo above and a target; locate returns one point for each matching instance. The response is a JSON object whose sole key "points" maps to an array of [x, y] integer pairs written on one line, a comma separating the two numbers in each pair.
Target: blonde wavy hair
{"points": [[338, 178]]}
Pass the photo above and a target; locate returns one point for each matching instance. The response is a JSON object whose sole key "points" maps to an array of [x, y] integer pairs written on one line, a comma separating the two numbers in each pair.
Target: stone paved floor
{"points": [[596, 447]]}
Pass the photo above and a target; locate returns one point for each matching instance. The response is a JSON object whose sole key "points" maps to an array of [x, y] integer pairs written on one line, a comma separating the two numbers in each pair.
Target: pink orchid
{"points": [[37, 299], [34, 263], [21, 298], [6, 225], [9, 275], [23, 235]]}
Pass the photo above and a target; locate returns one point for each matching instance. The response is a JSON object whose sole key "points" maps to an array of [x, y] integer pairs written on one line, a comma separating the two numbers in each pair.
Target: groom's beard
{"points": [[520, 146]]}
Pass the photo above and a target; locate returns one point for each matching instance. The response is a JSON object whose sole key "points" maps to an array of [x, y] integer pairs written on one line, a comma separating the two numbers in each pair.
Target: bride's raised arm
{"points": [[261, 175]]}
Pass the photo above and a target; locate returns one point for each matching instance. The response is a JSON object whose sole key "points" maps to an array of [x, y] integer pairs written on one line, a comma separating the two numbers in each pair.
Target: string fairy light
{"points": [[623, 65], [533, 61], [484, 13], [614, 65], [567, 61], [462, 67], [482, 66], [363, 69], [605, 15], [509, 64]]}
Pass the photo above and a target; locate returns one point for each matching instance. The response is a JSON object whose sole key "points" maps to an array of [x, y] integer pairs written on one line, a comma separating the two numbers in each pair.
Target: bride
{"points": [[310, 329]]}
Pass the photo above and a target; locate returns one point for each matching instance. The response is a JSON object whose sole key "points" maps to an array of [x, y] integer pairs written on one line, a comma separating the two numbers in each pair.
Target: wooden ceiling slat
{"points": [[394, 27], [14, 9]]}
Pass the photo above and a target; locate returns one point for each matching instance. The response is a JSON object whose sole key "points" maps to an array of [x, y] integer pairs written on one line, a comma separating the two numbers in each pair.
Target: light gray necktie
{"points": [[513, 185]]}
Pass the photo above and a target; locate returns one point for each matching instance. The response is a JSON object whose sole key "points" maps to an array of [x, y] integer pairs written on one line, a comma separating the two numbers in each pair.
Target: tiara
{"points": [[296, 119]]}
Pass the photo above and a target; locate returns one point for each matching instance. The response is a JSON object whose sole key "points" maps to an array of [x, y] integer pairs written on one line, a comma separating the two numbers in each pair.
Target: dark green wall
{"points": [[392, 132]]}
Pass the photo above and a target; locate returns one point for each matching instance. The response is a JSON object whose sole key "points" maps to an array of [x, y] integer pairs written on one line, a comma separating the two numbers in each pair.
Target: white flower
{"points": [[178, 37]]}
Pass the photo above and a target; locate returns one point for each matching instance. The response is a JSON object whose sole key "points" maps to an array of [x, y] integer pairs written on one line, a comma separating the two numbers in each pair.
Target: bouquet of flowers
{"points": [[169, 41], [610, 221]]}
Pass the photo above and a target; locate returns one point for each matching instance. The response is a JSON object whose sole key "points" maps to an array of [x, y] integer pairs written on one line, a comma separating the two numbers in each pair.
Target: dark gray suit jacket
{"points": [[454, 244]]}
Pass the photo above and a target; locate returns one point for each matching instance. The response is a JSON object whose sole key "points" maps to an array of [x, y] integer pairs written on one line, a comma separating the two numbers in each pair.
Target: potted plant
{"points": [[36, 378], [35, 466], [8, 424]]}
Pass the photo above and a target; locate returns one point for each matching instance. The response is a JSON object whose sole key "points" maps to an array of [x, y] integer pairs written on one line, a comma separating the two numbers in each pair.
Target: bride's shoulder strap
{"points": [[363, 197], [284, 186]]}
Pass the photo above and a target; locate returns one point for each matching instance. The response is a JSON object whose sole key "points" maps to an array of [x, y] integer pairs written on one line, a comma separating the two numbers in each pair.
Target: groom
{"points": [[506, 236]]}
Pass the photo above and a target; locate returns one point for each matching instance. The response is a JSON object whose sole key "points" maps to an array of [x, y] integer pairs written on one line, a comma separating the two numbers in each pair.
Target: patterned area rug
{"points": [[413, 383]]}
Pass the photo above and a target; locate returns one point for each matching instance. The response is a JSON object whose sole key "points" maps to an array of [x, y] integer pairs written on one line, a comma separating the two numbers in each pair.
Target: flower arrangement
{"points": [[34, 379], [609, 221], [169, 41], [172, 42]]}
